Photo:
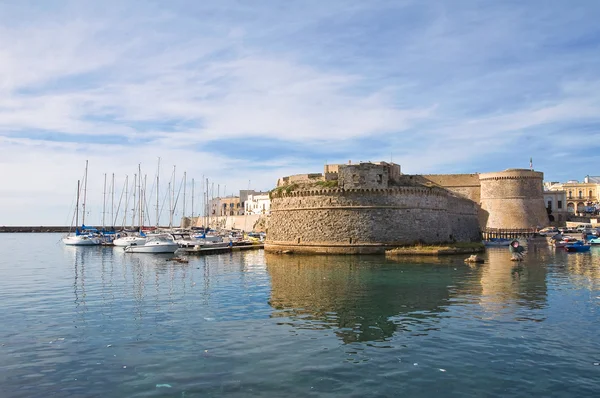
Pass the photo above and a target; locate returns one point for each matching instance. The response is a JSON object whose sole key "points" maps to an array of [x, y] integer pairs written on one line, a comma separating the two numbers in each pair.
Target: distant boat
{"points": [[577, 247], [497, 242], [594, 241], [154, 244]]}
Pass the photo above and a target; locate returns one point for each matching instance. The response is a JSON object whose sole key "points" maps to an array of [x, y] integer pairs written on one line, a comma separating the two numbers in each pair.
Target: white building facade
{"points": [[258, 204]]}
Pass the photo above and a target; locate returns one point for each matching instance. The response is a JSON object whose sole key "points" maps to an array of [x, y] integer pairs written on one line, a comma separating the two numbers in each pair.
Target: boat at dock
{"points": [[577, 247], [497, 242], [84, 236], [154, 244], [594, 241], [135, 240]]}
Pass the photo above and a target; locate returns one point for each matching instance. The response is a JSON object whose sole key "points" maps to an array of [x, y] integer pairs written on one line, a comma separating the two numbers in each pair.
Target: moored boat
{"points": [[130, 240], [154, 244], [497, 242], [577, 247], [81, 240]]}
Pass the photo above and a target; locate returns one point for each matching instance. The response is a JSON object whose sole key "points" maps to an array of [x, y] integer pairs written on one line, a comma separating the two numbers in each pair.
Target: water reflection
{"points": [[581, 269], [361, 298], [372, 298], [524, 286]]}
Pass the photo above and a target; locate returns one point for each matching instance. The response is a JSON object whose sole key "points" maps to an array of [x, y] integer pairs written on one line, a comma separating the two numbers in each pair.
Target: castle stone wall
{"points": [[363, 175], [368, 220], [466, 185], [513, 199]]}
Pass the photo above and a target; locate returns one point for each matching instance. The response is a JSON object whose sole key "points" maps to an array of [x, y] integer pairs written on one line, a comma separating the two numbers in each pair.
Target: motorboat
{"points": [[577, 247], [594, 241], [154, 244], [564, 241], [82, 240], [130, 240]]}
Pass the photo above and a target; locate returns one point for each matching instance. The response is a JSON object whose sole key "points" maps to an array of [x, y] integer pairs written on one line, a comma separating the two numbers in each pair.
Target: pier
{"points": [[502, 233], [29, 229], [218, 250]]}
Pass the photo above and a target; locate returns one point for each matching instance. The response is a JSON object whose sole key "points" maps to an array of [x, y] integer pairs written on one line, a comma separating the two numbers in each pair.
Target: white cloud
{"points": [[447, 85]]}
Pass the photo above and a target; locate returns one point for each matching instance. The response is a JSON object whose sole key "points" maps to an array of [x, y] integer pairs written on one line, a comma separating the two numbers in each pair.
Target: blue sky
{"points": [[238, 91]]}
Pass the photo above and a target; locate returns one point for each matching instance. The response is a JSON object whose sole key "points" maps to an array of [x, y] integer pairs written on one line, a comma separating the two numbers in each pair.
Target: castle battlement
{"points": [[368, 207]]}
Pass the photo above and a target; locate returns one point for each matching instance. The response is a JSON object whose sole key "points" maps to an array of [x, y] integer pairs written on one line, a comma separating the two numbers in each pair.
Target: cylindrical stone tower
{"points": [[513, 198]]}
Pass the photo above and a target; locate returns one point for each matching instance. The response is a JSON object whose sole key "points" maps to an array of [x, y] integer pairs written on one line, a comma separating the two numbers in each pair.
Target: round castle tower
{"points": [[513, 199]]}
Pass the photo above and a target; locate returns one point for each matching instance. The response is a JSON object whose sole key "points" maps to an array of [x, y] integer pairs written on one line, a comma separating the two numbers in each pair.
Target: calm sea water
{"points": [[96, 322]]}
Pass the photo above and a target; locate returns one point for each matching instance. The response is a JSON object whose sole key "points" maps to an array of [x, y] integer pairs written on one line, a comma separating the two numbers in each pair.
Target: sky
{"points": [[244, 92]]}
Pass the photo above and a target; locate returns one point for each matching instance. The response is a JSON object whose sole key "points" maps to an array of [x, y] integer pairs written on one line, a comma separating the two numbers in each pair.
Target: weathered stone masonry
{"points": [[375, 208]]}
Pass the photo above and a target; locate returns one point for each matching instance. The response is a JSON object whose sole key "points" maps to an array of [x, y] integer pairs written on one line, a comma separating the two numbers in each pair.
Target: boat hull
{"points": [[492, 243], [166, 248], [81, 241], [129, 240]]}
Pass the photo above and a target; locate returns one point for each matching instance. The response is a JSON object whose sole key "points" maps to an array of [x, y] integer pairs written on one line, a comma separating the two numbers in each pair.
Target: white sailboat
{"points": [[140, 238], [81, 237]]}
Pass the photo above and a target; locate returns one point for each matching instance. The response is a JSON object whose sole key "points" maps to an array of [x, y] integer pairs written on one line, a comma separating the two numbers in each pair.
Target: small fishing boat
{"points": [[577, 247], [565, 241], [594, 241], [154, 244], [497, 242]]}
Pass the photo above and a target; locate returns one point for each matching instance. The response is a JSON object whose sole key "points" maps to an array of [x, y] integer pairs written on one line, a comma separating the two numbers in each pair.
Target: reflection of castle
{"points": [[506, 286], [368, 207], [371, 298], [356, 297]]}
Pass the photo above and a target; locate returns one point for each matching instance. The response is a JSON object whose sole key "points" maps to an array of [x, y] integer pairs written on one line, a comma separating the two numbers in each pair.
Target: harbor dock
{"points": [[218, 250]]}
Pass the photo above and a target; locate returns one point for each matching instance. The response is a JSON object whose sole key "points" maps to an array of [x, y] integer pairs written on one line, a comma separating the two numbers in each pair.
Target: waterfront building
{"points": [[258, 203], [226, 206], [581, 197], [556, 203]]}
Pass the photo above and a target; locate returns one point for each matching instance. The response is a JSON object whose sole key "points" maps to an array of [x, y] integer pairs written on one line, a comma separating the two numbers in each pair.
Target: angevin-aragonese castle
{"points": [[370, 207]]}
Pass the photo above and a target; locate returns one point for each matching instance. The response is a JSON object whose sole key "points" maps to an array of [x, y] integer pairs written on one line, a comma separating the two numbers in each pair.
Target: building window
{"points": [[379, 178], [549, 204], [580, 194], [559, 204], [590, 193], [570, 194]]}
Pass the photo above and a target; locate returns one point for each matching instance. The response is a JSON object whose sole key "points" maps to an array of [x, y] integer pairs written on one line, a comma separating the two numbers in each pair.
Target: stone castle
{"points": [[370, 207]]}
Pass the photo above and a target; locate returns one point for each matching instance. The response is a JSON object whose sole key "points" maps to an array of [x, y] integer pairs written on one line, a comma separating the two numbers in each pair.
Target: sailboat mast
{"points": [[104, 202], [172, 199], [134, 202], [157, 181], [84, 193], [126, 200], [184, 184], [77, 207], [192, 200], [112, 202], [143, 202], [170, 206], [140, 197]]}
